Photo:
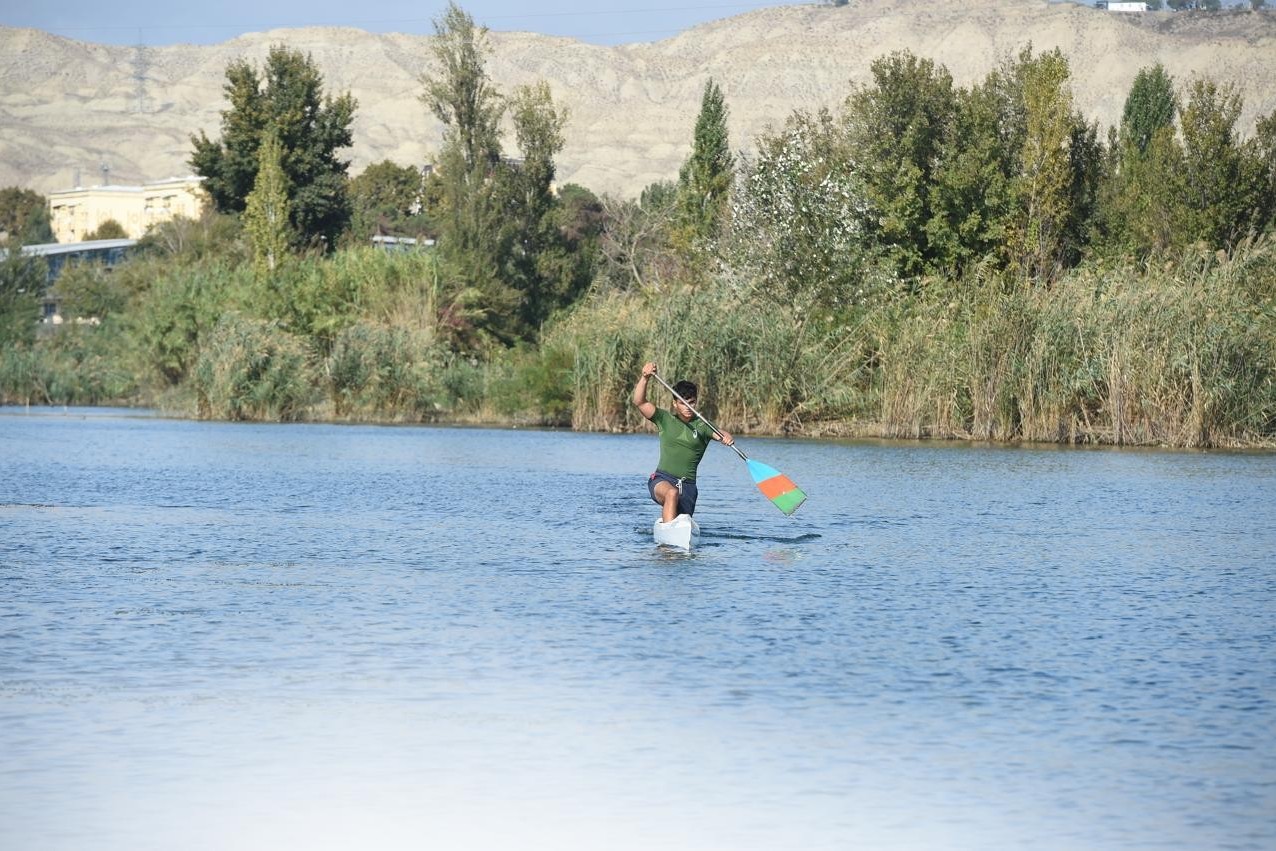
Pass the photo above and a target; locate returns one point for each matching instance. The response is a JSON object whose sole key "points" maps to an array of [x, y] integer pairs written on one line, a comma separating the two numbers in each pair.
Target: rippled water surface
{"points": [[221, 636]]}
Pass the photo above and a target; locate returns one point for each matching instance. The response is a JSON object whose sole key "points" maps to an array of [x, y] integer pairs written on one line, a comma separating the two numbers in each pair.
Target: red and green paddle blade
{"points": [[776, 487]]}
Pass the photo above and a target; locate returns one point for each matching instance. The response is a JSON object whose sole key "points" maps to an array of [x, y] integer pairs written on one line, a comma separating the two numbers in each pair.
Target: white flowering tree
{"points": [[799, 251], [798, 217]]}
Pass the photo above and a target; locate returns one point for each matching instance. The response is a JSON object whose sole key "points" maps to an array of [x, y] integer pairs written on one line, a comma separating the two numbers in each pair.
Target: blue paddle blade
{"points": [[761, 472]]}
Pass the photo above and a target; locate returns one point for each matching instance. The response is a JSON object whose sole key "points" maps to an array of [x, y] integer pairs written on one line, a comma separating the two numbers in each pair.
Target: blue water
{"points": [[218, 636]]}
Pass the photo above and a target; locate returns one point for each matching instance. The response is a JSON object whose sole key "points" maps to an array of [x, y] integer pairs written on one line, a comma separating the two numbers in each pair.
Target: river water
{"points": [[218, 636]]}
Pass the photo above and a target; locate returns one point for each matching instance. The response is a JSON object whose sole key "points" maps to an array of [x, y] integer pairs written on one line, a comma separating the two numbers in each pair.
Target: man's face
{"points": [[684, 410]]}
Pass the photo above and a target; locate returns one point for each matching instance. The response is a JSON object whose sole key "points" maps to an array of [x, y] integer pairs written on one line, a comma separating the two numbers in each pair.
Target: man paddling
{"points": [[683, 440]]}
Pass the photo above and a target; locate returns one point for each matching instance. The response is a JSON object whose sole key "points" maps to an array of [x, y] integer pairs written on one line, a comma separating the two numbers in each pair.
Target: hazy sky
{"points": [[153, 22]]}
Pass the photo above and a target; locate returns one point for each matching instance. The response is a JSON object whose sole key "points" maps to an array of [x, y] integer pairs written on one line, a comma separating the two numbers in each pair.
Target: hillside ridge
{"points": [[68, 106]]}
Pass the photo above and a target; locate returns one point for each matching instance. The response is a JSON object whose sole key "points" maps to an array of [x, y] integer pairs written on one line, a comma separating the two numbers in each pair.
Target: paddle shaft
{"points": [[698, 414]]}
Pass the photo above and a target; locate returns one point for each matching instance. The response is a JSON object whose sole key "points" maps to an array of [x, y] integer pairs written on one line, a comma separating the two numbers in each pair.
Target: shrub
{"points": [[250, 369], [378, 370]]}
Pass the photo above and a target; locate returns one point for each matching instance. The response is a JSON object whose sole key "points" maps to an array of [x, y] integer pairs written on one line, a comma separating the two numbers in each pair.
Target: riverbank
{"points": [[822, 431], [1177, 354]]}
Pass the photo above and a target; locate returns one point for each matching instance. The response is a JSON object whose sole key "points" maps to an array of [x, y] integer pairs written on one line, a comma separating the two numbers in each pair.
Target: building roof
{"points": [[131, 188], [50, 249]]}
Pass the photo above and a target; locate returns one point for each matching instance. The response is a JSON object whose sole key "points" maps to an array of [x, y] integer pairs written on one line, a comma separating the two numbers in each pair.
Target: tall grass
{"points": [[1181, 354], [738, 355], [77, 366], [250, 369], [378, 371]]}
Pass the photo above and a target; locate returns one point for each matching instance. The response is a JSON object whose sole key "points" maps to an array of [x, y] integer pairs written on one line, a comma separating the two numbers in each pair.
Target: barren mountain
{"points": [[67, 107]]}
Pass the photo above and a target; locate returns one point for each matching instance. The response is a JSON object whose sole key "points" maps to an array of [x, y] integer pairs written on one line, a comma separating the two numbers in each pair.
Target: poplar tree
{"points": [[1041, 189], [537, 243], [459, 92], [1219, 179], [1054, 192], [266, 210], [1149, 107], [473, 237], [1143, 197], [497, 217], [704, 182]]}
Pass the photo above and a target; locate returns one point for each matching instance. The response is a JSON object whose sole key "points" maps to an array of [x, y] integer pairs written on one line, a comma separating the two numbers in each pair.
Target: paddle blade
{"points": [[776, 487]]}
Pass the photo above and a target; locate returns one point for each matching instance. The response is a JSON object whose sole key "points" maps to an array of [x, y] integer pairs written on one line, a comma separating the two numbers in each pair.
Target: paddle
{"points": [[774, 485]]}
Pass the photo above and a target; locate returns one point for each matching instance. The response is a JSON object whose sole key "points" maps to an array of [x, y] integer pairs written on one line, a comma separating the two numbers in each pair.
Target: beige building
{"points": [[77, 212]]}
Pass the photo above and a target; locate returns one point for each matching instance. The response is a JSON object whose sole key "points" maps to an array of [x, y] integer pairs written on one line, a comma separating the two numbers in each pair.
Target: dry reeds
{"points": [[1180, 354]]}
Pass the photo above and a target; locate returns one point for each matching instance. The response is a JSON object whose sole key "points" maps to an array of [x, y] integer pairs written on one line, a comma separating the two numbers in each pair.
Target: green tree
{"points": [[24, 216], [704, 182], [1262, 149], [977, 163], [266, 212], [388, 198], [799, 220], [1150, 106], [1017, 174], [91, 290], [229, 164], [898, 125], [1151, 211], [1142, 195], [474, 236], [798, 238], [1088, 170], [567, 263], [537, 245], [23, 279], [109, 229], [459, 92], [1219, 182], [496, 216], [288, 96], [1041, 188]]}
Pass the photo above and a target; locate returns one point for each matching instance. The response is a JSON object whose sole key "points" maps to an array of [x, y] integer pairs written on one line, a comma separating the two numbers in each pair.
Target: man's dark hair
{"points": [[685, 389]]}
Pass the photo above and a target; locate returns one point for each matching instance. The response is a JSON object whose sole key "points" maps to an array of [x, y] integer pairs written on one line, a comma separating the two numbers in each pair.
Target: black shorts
{"points": [[686, 490]]}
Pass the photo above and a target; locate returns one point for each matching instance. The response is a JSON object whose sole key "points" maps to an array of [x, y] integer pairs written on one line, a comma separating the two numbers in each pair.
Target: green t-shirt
{"points": [[682, 445]]}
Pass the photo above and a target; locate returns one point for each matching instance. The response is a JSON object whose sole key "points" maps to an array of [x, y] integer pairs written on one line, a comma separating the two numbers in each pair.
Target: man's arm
{"points": [[639, 399]]}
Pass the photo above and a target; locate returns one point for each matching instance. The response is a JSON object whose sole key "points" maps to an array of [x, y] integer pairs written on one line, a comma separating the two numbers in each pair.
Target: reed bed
{"points": [[1179, 354]]}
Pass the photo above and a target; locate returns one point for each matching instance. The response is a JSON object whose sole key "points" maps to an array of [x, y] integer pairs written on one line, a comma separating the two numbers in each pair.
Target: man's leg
{"points": [[667, 495]]}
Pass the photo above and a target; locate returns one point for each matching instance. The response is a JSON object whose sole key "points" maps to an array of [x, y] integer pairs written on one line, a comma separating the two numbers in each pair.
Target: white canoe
{"points": [[682, 532]]}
